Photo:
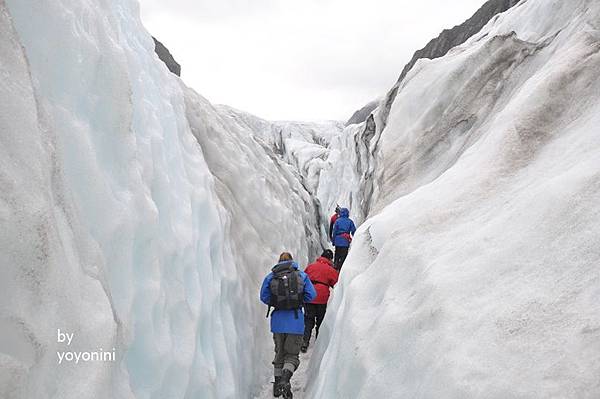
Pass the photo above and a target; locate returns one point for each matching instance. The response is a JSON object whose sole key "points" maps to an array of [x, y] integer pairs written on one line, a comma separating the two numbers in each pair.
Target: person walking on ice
{"points": [[332, 221], [343, 230], [323, 276], [286, 289]]}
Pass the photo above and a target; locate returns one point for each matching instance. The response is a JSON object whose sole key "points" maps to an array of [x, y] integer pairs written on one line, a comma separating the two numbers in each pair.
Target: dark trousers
{"points": [[287, 350], [340, 257], [313, 317]]}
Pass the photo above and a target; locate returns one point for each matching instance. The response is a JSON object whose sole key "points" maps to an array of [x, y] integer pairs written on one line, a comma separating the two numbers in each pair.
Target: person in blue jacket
{"points": [[287, 326], [343, 231]]}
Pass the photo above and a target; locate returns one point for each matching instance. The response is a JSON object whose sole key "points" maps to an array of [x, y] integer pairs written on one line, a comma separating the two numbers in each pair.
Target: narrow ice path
{"points": [[299, 379]]}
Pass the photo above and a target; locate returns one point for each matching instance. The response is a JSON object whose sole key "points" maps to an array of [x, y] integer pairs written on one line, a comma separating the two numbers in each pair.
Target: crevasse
{"points": [[138, 216]]}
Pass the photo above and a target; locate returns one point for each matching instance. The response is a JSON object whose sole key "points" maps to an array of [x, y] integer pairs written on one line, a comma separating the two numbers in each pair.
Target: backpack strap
{"points": [[288, 290], [294, 277]]}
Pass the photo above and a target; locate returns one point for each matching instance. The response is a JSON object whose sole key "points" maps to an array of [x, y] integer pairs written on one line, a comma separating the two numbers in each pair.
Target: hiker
{"points": [[332, 221], [323, 276], [286, 289], [343, 230]]}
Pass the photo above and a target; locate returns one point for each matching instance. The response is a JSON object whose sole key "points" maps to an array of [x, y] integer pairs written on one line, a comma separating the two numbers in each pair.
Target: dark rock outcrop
{"points": [[165, 56], [437, 48], [362, 114], [448, 39]]}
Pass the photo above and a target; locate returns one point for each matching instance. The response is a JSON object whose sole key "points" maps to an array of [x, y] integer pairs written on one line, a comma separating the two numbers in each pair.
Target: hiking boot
{"points": [[277, 387], [286, 386], [304, 348]]}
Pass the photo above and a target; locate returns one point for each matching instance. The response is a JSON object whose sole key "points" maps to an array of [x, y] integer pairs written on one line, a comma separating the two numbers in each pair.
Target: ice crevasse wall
{"points": [[476, 273], [138, 216], [135, 215]]}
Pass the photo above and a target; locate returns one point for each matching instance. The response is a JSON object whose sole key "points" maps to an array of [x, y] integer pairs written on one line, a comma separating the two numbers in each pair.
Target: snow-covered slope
{"points": [[476, 273]]}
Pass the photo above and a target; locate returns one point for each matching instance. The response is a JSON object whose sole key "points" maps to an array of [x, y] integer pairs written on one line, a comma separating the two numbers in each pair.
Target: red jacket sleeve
{"points": [[331, 223], [333, 276]]}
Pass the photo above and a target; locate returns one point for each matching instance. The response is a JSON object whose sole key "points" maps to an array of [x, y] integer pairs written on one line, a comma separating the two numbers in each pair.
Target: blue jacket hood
{"points": [[342, 225]]}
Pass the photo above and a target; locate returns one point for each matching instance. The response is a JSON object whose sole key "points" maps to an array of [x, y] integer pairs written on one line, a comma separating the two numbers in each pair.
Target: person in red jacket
{"points": [[332, 220], [323, 276]]}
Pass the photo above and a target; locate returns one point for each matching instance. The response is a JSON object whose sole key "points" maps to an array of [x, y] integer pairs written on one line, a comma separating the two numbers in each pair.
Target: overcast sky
{"points": [[297, 59]]}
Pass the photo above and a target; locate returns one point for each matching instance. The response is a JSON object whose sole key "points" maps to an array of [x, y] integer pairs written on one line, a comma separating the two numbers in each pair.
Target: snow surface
{"points": [[476, 274], [299, 380]]}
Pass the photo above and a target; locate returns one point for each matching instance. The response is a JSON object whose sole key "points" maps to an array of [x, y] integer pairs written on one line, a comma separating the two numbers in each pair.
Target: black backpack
{"points": [[287, 289]]}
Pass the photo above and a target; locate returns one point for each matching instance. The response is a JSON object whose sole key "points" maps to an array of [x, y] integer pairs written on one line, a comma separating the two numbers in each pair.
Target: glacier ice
{"points": [[125, 218], [138, 216], [475, 274]]}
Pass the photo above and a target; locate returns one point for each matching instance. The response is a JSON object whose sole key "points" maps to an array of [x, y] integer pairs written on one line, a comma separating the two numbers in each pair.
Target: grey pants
{"points": [[287, 349]]}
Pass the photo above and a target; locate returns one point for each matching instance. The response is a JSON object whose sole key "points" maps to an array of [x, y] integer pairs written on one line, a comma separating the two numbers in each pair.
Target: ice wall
{"points": [[139, 217], [299, 153], [347, 177], [361, 152], [123, 222], [476, 273]]}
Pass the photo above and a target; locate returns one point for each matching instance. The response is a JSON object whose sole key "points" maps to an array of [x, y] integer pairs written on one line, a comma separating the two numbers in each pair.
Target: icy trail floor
{"points": [[298, 379]]}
